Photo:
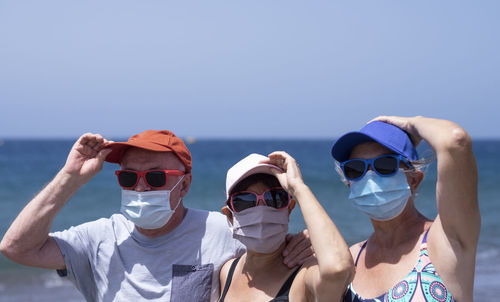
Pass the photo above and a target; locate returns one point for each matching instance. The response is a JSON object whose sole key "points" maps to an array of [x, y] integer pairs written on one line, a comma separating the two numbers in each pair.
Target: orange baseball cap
{"points": [[153, 140]]}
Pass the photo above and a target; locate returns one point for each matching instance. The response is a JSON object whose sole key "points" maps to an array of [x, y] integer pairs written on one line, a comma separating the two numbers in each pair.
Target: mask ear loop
{"points": [[180, 198]]}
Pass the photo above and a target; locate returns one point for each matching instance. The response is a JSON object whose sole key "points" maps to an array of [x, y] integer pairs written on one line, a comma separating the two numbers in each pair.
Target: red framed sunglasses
{"points": [[274, 197], [128, 179]]}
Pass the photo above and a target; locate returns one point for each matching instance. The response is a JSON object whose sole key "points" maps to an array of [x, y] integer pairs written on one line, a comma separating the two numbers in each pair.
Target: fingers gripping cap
{"points": [[152, 140], [385, 134], [248, 166]]}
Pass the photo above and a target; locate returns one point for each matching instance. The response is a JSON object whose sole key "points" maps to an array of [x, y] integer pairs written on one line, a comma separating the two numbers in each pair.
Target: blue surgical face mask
{"points": [[150, 209], [381, 198]]}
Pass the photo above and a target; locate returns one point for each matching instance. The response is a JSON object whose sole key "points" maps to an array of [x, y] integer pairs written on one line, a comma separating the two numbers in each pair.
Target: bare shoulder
{"points": [[298, 290], [308, 285], [224, 271], [303, 283], [356, 248]]}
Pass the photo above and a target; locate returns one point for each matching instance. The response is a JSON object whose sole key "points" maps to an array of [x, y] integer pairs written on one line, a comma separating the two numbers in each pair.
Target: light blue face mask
{"points": [[381, 198], [150, 209]]}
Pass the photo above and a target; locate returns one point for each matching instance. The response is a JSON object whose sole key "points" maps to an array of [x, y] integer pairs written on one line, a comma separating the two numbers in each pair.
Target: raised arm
{"points": [[456, 188], [27, 241], [327, 279]]}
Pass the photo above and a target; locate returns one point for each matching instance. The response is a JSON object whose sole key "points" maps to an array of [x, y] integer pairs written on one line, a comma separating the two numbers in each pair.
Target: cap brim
{"points": [[344, 145], [387, 135], [261, 168], [119, 148]]}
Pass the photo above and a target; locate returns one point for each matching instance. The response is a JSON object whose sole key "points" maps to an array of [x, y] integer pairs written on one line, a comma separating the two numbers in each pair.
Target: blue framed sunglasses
{"points": [[384, 165]]}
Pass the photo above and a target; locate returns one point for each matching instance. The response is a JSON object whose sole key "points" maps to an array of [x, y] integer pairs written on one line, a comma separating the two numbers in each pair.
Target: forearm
{"points": [[29, 231], [453, 147], [332, 252], [441, 135]]}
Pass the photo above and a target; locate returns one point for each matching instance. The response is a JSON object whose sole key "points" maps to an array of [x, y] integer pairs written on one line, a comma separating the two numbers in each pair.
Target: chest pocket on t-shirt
{"points": [[191, 282]]}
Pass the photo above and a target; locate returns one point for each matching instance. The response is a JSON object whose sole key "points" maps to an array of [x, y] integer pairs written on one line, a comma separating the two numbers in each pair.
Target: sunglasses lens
{"points": [[156, 179], [386, 165], [127, 179], [354, 169], [243, 201], [276, 198]]}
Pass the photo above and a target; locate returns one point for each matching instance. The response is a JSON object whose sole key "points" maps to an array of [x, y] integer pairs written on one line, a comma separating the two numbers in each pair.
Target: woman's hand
{"points": [[289, 176], [404, 123]]}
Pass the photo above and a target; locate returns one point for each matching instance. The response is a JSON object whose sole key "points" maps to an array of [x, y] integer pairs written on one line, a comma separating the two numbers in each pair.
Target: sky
{"points": [[245, 69]]}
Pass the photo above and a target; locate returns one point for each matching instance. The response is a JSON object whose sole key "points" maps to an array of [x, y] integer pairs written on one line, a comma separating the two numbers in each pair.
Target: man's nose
{"points": [[142, 186]]}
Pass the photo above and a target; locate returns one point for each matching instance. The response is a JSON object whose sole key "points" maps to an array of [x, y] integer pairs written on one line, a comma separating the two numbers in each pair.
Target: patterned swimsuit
{"points": [[422, 284]]}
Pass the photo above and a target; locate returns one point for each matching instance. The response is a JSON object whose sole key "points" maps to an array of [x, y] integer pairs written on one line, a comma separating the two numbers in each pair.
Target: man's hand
{"points": [[298, 249], [86, 157]]}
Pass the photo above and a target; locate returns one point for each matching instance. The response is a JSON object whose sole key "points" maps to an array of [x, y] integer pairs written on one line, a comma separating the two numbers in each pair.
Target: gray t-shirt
{"points": [[109, 260]]}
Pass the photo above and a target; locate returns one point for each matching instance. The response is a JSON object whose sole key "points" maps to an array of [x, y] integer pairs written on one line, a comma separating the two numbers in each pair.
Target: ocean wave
{"points": [[488, 254], [52, 281]]}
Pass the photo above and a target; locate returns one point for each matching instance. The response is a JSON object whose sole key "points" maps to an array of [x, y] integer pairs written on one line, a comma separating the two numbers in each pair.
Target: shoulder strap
{"points": [[424, 240], [359, 253], [285, 289], [229, 278]]}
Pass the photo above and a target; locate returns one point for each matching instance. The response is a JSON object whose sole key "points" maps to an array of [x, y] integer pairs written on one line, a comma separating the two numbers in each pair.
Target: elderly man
{"points": [[156, 249]]}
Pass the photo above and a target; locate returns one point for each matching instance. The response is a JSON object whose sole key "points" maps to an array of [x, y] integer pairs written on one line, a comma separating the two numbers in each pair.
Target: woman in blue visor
{"points": [[409, 257]]}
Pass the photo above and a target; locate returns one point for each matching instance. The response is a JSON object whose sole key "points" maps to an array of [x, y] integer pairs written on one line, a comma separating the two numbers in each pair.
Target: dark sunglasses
{"points": [[274, 197], [128, 179], [385, 165]]}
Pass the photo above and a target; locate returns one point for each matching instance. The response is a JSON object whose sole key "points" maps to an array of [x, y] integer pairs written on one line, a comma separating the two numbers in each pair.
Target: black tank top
{"points": [[282, 295]]}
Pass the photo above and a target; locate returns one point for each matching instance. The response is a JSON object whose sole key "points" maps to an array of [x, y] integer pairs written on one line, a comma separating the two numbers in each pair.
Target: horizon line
{"points": [[193, 139]]}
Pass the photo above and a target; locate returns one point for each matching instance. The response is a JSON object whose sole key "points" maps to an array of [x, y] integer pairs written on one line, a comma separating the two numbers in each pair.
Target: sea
{"points": [[27, 165]]}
